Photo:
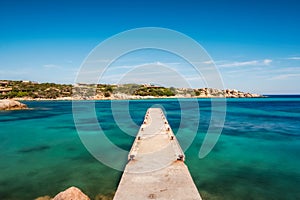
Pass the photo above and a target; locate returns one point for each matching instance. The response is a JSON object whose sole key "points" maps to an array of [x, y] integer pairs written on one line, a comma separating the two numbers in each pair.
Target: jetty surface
{"points": [[156, 168]]}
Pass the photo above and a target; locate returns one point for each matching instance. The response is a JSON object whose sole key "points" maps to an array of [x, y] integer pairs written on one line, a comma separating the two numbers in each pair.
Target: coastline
{"points": [[135, 98], [32, 91]]}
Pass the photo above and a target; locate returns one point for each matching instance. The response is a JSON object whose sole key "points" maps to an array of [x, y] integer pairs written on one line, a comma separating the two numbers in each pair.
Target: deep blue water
{"points": [[256, 157]]}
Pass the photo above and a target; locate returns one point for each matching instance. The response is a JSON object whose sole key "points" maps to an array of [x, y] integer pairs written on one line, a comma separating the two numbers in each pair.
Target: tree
{"points": [[107, 94]]}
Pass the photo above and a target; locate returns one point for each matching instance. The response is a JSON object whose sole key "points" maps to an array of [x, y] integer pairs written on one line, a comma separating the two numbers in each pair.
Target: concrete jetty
{"points": [[155, 168]]}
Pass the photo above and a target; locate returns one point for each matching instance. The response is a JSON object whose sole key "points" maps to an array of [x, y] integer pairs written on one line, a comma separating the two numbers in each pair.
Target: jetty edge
{"points": [[156, 168]]}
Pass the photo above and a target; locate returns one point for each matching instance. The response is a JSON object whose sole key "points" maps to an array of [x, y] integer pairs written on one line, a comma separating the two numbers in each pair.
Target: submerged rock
{"points": [[71, 193], [109, 196], [33, 149], [43, 198], [8, 104]]}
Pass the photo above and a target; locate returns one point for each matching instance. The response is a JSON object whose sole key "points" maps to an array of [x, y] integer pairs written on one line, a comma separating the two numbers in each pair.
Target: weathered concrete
{"points": [[156, 168]]}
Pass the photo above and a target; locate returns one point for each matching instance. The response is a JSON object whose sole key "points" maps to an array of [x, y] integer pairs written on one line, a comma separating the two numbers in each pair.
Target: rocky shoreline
{"points": [[203, 93], [28, 90], [14, 104], [74, 193], [9, 104]]}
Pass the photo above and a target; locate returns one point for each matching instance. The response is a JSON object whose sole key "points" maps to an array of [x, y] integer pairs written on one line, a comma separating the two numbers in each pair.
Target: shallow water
{"points": [[256, 157]]}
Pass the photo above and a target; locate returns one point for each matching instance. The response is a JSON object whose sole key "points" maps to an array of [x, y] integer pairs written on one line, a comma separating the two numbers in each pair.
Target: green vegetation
{"points": [[154, 91], [128, 89], [20, 89], [33, 90]]}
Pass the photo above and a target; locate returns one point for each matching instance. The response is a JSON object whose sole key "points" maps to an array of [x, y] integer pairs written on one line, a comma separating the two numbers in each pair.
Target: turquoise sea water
{"points": [[257, 156]]}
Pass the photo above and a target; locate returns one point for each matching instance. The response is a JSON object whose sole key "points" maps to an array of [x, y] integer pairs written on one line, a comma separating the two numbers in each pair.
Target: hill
{"points": [[32, 90]]}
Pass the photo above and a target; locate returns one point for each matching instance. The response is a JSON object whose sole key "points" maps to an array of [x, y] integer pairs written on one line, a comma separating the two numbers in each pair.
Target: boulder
{"points": [[43, 198], [9, 104], [71, 193]]}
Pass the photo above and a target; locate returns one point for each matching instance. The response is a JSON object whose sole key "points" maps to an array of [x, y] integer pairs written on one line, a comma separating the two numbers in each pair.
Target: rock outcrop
{"points": [[8, 104], [239, 94], [71, 193], [43, 198], [211, 92]]}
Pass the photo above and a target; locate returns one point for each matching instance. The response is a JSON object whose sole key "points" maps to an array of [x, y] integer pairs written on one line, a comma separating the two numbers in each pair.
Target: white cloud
{"points": [[238, 64], [267, 61], [119, 67], [288, 70], [246, 63], [208, 62], [294, 58], [52, 66], [157, 63], [98, 61], [284, 76]]}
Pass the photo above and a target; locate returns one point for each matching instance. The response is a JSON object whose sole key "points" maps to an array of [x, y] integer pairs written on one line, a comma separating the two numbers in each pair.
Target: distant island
{"points": [[29, 90]]}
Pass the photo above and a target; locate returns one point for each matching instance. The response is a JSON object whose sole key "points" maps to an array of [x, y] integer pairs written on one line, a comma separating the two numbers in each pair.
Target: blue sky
{"points": [[255, 44]]}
